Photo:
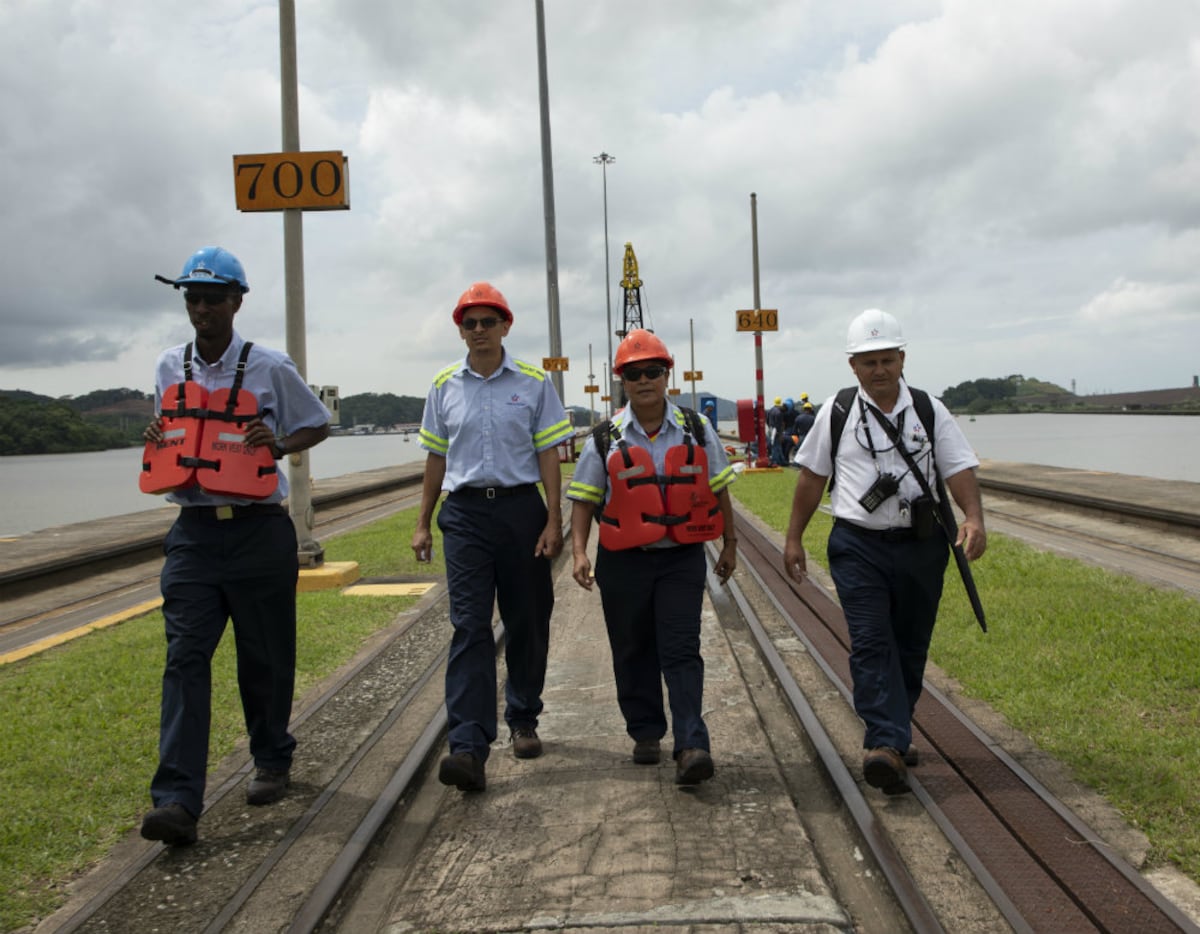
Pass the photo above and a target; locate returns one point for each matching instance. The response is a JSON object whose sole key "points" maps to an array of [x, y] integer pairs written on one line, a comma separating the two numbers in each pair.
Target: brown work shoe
{"points": [[463, 771], [525, 742], [647, 752], [693, 766], [912, 758], [267, 786], [884, 768], [171, 823]]}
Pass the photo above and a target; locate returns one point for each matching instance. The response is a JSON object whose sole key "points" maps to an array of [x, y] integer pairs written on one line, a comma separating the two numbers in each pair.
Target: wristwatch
{"points": [[280, 451]]}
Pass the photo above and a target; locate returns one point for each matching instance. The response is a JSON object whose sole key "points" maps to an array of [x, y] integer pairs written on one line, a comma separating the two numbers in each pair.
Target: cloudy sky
{"points": [[1018, 182]]}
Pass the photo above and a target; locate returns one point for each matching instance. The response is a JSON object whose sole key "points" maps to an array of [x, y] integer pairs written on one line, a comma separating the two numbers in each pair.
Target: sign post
{"points": [[758, 320]]}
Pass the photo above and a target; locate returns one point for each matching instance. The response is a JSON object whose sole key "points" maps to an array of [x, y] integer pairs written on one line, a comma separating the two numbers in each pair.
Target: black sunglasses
{"points": [[468, 324], [634, 373], [208, 298]]}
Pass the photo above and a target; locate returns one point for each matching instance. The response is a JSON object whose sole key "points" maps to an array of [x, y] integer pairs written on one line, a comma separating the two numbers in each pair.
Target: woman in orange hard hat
{"points": [[656, 477]]}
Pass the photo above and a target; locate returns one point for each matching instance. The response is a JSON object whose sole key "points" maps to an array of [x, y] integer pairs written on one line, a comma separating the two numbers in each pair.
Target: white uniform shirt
{"points": [[857, 470]]}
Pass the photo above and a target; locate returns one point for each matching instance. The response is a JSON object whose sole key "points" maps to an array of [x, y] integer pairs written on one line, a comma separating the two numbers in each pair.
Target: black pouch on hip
{"points": [[923, 517]]}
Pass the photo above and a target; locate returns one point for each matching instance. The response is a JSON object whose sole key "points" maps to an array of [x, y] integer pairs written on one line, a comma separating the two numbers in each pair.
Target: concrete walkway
{"points": [[584, 838]]}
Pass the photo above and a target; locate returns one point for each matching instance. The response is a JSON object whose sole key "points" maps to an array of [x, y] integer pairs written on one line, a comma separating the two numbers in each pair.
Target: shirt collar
{"points": [[506, 363], [625, 419], [227, 359]]}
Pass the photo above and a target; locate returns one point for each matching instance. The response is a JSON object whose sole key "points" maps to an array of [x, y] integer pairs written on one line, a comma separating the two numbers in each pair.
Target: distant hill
{"points": [[35, 424]]}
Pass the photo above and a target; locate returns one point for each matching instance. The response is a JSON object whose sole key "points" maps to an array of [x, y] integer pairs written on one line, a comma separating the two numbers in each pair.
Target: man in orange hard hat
{"points": [[491, 428]]}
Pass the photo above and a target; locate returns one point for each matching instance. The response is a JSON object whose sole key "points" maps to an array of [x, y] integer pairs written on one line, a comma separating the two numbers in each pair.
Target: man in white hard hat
{"points": [[887, 552]]}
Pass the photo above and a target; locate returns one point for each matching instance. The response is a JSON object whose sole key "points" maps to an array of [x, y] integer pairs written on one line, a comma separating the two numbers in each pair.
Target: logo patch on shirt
{"points": [[515, 399]]}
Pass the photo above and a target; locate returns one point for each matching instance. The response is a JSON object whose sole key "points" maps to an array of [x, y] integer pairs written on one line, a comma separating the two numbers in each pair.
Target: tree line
{"points": [[113, 418]]}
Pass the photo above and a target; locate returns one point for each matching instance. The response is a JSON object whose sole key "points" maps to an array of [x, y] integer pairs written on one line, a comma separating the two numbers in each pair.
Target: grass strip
{"points": [[80, 741], [1100, 670]]}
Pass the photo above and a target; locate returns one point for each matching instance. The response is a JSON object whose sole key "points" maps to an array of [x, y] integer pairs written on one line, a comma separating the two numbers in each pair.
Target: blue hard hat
{"points": [[210, 265], [789, 403]]}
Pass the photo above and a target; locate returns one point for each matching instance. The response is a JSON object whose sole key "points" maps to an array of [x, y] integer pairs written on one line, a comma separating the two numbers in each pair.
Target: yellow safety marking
{"points": [[329, 575], [102, 623], [389, 590]]}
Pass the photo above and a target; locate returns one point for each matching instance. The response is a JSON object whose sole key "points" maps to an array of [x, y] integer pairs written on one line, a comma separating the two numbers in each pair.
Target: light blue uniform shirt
{"points": [[491, 429], [284, 399], [590, 482]]}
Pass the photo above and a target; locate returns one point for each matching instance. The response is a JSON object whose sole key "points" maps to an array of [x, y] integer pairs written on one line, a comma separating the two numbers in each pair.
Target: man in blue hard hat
{"points": [[228, 555]]}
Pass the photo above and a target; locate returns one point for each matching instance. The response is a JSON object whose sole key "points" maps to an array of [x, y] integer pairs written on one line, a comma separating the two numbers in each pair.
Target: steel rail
{"points": [[901, 883], [1027, 839]]}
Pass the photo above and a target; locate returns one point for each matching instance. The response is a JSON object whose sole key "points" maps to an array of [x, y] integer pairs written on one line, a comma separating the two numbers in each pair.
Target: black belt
{"points": [[491, 492], [902, 534], [256, 510]]}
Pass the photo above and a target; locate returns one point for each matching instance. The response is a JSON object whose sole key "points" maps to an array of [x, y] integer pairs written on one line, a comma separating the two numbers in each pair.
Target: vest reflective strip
{"points": [[552, 435], [434, 443], [530, 370], [445, 373], [581, 491]]}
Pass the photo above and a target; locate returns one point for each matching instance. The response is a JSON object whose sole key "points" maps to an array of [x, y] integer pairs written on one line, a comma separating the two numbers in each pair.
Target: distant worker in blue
{"points": [[491, 427], [887, 552], [772, 424], [804, 422], [232, 552], [655, 477], [782, 448]]}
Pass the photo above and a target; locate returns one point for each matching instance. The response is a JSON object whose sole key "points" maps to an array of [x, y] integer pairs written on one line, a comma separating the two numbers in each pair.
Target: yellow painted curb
{"points": [[389, 590], [105, 621], [329, 575]]}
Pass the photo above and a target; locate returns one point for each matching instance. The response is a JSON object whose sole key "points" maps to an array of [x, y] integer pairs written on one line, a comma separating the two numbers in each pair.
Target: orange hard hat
{"points": [[640, 344], [482, 293]]}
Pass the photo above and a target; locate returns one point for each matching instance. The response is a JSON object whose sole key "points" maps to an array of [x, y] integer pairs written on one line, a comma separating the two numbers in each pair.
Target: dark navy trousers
{"points": [[652, 601], [244, 569], [889, 592], [489, 545]]}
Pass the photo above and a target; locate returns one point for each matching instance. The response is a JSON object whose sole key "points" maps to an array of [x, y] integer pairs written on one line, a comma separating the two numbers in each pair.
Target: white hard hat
{"points": [[873, 330]]}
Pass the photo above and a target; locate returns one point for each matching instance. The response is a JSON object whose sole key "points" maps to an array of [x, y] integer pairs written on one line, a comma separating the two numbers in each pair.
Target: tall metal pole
{"points": [[759, 413], [299, 483], [591, 382], [692, 344], [604, 160], [548, 203]]}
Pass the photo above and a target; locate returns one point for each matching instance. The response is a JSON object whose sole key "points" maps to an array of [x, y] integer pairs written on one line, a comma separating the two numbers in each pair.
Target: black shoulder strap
{"points": [[924, 411], [695, 424], [841, 411], [601, 435]]}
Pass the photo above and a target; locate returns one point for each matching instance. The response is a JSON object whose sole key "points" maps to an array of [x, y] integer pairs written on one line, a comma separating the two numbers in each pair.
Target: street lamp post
{"points": [[604, 160]]}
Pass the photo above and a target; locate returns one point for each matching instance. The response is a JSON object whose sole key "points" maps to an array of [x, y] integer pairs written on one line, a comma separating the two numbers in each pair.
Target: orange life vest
{"points": [[163, 462], [203, 441], [638, 511]]}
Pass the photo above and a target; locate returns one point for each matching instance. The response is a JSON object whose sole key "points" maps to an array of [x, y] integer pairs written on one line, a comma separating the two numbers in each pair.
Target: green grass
{"points": [[80, 738], [1100, 670]]}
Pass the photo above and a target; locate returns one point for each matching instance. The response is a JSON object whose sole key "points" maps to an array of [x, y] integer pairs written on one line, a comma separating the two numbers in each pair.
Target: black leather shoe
{"points": [[693, 766], [171, 823], [463, 771], [267, 786], [525, 743], [912, 758], [884, 768], [647, 752]]}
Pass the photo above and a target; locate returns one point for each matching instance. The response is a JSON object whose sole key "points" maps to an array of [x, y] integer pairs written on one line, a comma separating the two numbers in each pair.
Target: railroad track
{"points": [[370, 736], [1043, 868]]}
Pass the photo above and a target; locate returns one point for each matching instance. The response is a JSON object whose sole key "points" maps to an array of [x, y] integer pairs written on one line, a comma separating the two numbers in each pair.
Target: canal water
{"points": [[41, 491]]}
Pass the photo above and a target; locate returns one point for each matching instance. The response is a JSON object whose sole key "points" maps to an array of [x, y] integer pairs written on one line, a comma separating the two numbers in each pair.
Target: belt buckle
{"points": [[223, 512], [491, 492]]}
